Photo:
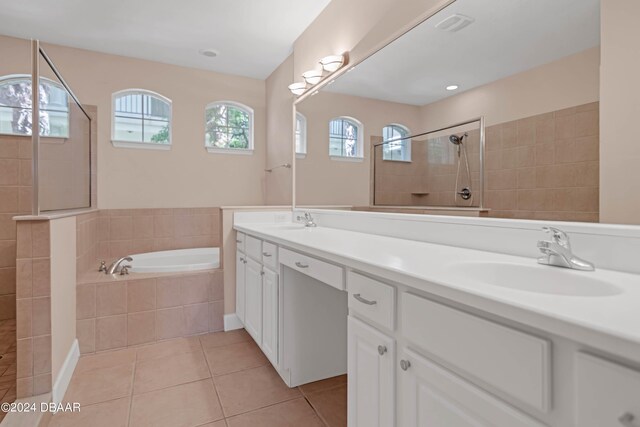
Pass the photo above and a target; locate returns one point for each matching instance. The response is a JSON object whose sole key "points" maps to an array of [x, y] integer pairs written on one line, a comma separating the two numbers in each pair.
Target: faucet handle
{"points": [[558, 236], [125, 270], [103, 266]]}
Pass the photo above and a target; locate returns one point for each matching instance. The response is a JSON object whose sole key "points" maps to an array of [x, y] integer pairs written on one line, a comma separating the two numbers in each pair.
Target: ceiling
{"points": [[252, 37], [507, 37]]}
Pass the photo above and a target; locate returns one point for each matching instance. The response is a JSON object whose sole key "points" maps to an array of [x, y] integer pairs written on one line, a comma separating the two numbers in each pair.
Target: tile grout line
{"points": [[133, 380], [215, 389]]}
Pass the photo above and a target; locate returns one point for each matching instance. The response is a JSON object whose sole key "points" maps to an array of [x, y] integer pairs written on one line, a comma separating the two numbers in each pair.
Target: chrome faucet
{"points": [[557, 251], [308, 220], [115, 267]]}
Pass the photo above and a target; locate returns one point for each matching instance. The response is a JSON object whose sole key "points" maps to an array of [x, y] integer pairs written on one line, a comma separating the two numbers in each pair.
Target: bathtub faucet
{"points": [[115, 267]]}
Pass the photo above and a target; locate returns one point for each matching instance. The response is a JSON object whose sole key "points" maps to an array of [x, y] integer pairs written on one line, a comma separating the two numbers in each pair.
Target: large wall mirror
{"points": [[486, 108]]}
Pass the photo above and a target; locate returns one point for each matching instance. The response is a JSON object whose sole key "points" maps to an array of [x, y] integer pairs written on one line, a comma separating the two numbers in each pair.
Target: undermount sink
{"points": [[536, 279]]}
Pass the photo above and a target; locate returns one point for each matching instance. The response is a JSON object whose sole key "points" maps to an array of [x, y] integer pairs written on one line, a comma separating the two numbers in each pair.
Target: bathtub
{"points": [[176, 260]]}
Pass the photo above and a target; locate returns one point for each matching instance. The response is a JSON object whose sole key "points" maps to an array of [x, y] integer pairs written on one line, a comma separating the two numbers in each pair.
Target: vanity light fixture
{"points": [[312, 77], [452, 87], [298, 88], [332, 63]]}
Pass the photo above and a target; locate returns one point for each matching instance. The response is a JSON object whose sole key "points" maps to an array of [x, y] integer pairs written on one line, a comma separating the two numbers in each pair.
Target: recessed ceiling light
{"points": [[209, 53], [452, 87]]}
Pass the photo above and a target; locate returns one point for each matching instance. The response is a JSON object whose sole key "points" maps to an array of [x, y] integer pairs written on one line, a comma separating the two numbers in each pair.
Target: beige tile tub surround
{"points": [[124, 311]]}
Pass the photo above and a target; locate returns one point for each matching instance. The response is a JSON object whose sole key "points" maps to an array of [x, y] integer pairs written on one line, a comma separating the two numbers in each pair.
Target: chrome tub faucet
{"points": [[308, 220], [117, 268], [557, 252]]}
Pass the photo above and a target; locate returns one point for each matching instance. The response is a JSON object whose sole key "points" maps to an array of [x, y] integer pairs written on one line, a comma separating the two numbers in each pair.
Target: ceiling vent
{"points": [[455, 23]]}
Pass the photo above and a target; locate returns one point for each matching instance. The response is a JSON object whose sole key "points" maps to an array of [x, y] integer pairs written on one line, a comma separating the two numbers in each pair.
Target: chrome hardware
{"points": [[114, 268], [382, 350], [308, 220], [557, 251], [405, 364], [238, 241], [301, 265], [267, 254], [627, 419], [363, 300], [103, 266], [262, 273], [465, 193], [243, 260], [125, 270]]}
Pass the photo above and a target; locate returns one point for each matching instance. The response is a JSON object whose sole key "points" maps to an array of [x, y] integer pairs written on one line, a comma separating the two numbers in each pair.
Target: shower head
{"points": [[456, 140]]}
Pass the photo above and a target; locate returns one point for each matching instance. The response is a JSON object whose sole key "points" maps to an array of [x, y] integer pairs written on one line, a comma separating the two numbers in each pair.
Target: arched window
{"points": [[345, 138], [397, 144], [15, 107], [229, 128], [301, 135], [141, 119]]}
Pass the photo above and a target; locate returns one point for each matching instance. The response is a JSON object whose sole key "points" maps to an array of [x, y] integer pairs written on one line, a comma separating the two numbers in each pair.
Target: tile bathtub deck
{"points": [[220, 379]]}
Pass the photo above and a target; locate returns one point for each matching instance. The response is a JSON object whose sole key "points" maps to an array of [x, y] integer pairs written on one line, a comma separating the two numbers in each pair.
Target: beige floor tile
{"points": [[293, 413], [221, 423], [235, 357], [100, 385], [186, 405], [218, 339], [252, 389], [324, 384], [106, 360], [169, 371], [114, 413], [331, 405], [169, 348]]}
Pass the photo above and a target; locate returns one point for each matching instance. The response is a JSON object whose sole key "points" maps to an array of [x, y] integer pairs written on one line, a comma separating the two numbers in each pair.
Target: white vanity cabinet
{"points": [[270, 315], [253, 300]]}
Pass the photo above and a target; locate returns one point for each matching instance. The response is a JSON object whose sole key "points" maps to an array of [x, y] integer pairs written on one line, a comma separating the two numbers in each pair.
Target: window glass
{"points": [[141, 116], [345, 138], [397, 145], [229, 126]]}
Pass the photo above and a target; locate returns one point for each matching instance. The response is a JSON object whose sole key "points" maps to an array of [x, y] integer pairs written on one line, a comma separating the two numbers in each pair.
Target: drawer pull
{"points": [[382, 350], [626, 419], [363, 300], [405, 364], [238, 241], [301, 265], [266, 254], [243, 260]]}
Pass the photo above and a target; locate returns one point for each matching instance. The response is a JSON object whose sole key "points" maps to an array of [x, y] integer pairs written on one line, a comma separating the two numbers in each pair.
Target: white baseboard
{"points": [[231, 322], [64, 376]]}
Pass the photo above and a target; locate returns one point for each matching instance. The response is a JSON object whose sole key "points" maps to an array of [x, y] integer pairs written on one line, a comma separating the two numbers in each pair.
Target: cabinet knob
{"points": [[627, 419], [382, 350], [405, 364], [262, 273]]}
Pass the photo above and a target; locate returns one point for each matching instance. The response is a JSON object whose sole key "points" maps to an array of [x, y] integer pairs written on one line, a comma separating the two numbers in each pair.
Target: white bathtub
{"points": [[177, 260]]}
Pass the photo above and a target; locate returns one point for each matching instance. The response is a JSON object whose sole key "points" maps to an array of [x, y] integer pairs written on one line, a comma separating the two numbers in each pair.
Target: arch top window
{"points": [[141, 119], [345, 139], [15, 107], [301, 135], [396, 143], [229, 128]]}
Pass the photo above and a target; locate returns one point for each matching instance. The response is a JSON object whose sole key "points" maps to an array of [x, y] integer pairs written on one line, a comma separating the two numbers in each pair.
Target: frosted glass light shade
{"points": [[312, 76], [332, 63], [298, 88]]}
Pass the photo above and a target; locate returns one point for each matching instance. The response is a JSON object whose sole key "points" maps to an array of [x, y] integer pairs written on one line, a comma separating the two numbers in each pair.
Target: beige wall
{"points": [[185, 176], [63, 290], [620, 107], [279, 134]]}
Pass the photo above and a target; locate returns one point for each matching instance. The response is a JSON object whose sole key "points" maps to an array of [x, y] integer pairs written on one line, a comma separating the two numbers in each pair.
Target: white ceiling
{"points": [[252, 36], [507, 37]]}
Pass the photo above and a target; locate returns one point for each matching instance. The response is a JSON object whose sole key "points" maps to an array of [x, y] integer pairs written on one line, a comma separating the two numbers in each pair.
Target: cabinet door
{"points": [[432, 396], [270, 315], [240, 287], [253, 300], [371, 368]]}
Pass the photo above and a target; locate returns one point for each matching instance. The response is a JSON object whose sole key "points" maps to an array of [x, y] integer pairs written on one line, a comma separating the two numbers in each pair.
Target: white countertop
{"points": [[610, 323]]}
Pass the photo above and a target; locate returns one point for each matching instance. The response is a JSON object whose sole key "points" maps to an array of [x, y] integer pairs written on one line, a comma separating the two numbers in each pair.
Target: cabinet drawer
{"points": [[605, 393], [371, 299], [323, 271], [253, 248], [515, 363], [270, 256], [240, 238]]}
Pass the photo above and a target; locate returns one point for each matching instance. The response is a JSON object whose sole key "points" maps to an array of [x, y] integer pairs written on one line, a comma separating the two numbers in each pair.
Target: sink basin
{"points": [[536, 279]]}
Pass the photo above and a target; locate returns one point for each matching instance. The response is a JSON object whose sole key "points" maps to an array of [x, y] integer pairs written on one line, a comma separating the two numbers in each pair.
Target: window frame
{"points": [[303, 136], [52, 138], [241, 151], [407, 158], [140, 144], [359, 141]]}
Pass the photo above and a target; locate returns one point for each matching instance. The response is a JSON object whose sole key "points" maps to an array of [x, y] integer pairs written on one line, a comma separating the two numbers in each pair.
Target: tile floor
{"points": [[7, 362], [216, 380]]}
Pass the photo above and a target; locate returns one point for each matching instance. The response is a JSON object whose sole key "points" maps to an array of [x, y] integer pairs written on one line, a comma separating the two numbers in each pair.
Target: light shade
{"points": [[298, 88], [332, 63], [312, 76]]}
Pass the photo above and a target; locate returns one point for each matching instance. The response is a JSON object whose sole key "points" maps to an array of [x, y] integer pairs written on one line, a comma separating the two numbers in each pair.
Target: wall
{"points": [[279, 134], [129, 178], [620, 106]]}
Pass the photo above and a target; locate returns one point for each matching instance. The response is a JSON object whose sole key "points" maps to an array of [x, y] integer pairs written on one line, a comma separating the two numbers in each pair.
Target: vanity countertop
{"points": [[608, 321]]}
